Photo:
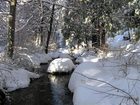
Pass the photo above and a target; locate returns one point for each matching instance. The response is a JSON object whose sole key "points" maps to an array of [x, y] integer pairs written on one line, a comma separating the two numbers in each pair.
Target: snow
{"points": [[90, 79], [2, 48], [61, 65], [36, 58], [88, 96], [13, 78], [59, 39], [60, 53], [117, 42], [78, 52], [88, 69], [54, 55], [110, 80], [13, 75], [64, 50], [86, 59]]}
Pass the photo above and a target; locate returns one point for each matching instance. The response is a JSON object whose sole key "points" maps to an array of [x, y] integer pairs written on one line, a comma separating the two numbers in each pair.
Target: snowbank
{"points": [[104, 83], [61, 65], [89, 69], [117, 42], [55, 55], [87, 59], [64, 50], [110, 80], [35, 59], [14, 78], [60, 53], [78, 52]]}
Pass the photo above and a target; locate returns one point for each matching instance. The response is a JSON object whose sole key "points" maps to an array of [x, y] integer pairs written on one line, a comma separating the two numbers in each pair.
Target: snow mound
{"points": [[61, 65], [89, 69], [104, 83], [16, 78], [35, 59], [85, 95]]}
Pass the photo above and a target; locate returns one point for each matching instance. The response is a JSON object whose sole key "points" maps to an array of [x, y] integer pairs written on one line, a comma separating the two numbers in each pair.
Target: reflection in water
{"points": [[44, 91], [61, 94], [38, 93]]}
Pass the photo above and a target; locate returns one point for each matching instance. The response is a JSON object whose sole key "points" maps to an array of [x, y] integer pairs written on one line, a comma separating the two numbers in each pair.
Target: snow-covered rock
{"points": [[61, 65], [13, 78]]}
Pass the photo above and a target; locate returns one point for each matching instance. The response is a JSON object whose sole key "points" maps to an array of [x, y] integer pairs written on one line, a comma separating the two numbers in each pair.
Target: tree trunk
{"points": [[102, 35], [11, 28], [41, 23], [50, 30]]}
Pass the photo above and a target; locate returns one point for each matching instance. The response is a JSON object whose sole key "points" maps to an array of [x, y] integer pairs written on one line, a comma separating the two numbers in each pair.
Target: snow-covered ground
{"points": [[113, 80], [110, 80]]}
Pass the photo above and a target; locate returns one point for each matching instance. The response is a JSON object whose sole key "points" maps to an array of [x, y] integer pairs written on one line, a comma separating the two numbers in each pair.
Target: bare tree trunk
{"points": [[50, 30], [102, 35], [11, 30], [41, 23], [86, 40]]}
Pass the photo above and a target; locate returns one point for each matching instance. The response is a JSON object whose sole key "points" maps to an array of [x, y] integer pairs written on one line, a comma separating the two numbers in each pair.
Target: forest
{"points": [[69, 52]]}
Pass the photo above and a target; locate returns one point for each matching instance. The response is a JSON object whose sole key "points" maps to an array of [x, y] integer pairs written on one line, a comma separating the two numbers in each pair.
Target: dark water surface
{"points": [[47, 90]]}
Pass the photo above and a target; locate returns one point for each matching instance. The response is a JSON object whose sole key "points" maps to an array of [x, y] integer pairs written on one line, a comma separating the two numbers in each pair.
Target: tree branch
{"points": [[111, 86], [52, 3], [19, 29]]}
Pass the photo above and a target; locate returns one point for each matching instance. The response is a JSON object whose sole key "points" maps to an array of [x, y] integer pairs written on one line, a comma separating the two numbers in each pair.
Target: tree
{"points": [[86, 21], [11, 31], [50, 29]]}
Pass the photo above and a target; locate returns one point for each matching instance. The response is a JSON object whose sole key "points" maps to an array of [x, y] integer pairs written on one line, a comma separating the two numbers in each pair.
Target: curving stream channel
{"points": [[47, 90]]}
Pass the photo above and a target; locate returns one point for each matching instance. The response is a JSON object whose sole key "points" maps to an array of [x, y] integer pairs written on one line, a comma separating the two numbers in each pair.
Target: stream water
{"points": [[47, 90]]}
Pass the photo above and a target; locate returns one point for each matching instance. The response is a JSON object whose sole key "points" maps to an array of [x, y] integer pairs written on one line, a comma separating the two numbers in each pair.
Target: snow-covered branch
{"points": [[4, 13], [130, 97], [52, 3], [19, 29]]}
